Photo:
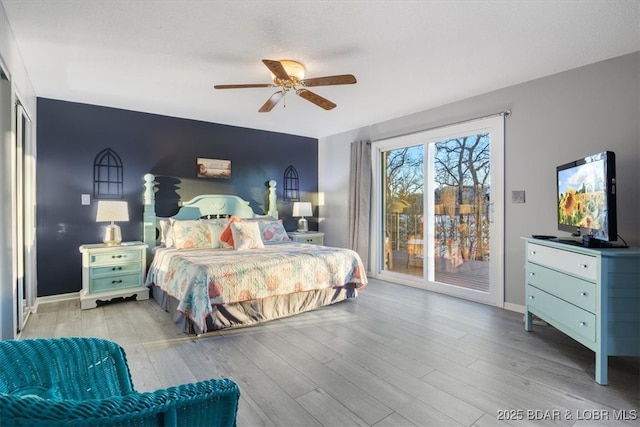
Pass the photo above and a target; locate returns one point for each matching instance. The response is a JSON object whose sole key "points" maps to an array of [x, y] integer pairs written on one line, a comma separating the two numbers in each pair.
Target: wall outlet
{"points": [[85, 199], [517, 196]]}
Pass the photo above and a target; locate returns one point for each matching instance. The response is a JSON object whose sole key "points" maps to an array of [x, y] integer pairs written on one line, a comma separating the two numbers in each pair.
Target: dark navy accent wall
{"points": [[71, 134]]}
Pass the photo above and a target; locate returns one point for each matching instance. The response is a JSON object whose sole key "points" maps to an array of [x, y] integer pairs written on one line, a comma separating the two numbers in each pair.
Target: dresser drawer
{"points": [[569, 288], [115, 257], [110, 283], [580, 265], [114, 270], [570, 319]]}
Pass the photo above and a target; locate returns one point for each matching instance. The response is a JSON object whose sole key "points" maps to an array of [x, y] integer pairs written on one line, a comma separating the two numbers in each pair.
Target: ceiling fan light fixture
{"points": [[294, 69], [287, 74]]}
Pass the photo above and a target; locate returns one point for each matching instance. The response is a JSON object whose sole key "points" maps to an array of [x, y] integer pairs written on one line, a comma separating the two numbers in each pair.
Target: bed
{"points": [[217, 264]]}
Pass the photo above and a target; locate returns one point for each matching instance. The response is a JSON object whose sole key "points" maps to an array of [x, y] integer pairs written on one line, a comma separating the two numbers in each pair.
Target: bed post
{"points": [[149, 215], [273, 208]]}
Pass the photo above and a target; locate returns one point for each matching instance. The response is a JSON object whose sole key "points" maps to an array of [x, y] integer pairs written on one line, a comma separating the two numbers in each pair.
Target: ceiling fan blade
{"points": [[316, 99], [343, 79], [276, 68], [271, 102], [243, 86]]}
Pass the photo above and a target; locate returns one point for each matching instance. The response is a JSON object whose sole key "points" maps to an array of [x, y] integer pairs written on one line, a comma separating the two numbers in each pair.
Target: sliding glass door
{"points": [[439, 198]]}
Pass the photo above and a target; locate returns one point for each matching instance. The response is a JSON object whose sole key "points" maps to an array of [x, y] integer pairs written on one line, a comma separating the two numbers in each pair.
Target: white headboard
{"points": [[209, 205]]}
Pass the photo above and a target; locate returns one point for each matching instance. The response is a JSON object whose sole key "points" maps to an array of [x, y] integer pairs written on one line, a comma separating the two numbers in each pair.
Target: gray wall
{"points": [[555, 120]]}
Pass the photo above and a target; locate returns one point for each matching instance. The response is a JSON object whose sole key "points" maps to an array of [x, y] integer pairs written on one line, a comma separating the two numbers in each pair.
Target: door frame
{"points": [[25, 236], [491, 124]]}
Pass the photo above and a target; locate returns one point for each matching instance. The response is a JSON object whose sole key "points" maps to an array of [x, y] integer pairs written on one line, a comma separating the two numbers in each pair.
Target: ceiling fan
{"points": [[288, 75]]}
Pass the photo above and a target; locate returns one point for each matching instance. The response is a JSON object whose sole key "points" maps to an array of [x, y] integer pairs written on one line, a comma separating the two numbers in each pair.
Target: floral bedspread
{"points": [[199, 278]]}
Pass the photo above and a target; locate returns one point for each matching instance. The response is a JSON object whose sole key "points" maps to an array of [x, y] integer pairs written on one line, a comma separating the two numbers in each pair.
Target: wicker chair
{"points": [[86, 381]]}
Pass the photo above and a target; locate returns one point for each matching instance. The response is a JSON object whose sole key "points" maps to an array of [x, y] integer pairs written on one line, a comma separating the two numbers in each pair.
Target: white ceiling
{"points": [[164, 57]]}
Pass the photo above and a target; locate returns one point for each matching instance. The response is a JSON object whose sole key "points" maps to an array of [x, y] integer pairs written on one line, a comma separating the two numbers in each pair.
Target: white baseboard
{"points": [[55, 298], [514, 307]]}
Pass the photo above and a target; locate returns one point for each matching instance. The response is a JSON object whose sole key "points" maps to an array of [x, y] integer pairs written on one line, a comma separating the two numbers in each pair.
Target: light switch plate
{"points": [[517, 196], [85, 199]]}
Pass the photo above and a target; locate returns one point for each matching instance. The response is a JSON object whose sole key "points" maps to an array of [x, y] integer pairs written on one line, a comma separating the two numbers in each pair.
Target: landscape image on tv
{"points": [[582, 196]]}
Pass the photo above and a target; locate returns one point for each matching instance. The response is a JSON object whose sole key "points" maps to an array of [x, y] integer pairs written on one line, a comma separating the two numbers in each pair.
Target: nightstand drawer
{"points": [[572, 289], [115, 282], [113, 270], [115, 257], [580, 265], [312, 240], [559, 313]]}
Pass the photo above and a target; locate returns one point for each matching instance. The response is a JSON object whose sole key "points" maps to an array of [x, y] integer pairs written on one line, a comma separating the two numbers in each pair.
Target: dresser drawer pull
{"points": [[581, 323], [532, 297], [118, 256], [116, 268], [532, 253], [583, 265], [532, 274], [116, 281], [582, 293]]}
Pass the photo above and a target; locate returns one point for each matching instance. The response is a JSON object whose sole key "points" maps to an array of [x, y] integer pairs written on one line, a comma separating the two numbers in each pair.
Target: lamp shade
{"points": [[302, 209], [112, 211]]}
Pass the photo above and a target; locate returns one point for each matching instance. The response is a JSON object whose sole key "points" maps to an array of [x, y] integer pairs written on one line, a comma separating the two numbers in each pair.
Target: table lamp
{"points": [[302, 209], [112, 211]]}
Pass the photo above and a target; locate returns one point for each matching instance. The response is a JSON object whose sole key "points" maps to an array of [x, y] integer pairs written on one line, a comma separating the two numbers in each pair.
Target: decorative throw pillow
{"points": [[191, 234], [226, 236], [216, 227], [246, 235]]}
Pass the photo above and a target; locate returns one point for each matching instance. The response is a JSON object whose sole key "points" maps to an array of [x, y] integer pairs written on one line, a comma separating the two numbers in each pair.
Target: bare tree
{"points": [[463, 164]]}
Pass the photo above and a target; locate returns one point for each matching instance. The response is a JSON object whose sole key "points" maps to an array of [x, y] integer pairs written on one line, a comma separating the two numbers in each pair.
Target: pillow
{"points": [[273, 231], [191, 234], [226, 236], [166, 232], [246, 235]]}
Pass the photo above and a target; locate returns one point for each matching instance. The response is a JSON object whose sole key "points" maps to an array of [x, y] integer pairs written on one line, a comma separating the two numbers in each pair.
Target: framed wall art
{"points": [[213, 168]]}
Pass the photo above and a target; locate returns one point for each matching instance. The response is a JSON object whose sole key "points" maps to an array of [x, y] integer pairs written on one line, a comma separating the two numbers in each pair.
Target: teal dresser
{"points": [[590, 294]]}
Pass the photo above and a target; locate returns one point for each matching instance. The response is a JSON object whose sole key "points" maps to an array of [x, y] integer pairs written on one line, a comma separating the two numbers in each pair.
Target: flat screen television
{"points": [[587, 198]]}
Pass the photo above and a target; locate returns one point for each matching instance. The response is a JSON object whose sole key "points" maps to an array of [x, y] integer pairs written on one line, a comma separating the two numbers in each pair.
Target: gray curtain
{"points": [[360, 178]]}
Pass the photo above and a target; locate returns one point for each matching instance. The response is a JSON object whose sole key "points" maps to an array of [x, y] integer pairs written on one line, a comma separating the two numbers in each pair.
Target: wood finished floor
{"points": [[395, 356]]}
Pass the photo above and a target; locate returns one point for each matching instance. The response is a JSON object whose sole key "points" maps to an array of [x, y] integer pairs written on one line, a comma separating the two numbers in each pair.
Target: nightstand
{"points": [[112, 271], [310, 237]]}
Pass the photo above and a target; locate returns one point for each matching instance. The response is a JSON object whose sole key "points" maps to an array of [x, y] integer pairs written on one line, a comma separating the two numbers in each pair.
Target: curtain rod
{"points": [[505, 114]]}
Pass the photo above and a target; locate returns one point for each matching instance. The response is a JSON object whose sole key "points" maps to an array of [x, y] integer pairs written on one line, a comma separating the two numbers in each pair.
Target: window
{"points": [[439, 197], [107, 175]]}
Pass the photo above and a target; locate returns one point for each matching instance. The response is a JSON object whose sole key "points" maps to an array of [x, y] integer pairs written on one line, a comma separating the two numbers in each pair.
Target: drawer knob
{"points": [[532, 274], [116, 281], [532, 253], [581, 323], [583, 265], [531, 297], [582, 293], [116, 268]]}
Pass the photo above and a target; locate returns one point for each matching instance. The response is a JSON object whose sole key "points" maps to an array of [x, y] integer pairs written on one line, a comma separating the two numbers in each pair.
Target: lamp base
{"points": [[303, 225], [112, 235]]}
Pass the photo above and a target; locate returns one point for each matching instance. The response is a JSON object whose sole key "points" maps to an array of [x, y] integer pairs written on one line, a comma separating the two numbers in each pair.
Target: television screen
{"points": [[587, 197]]}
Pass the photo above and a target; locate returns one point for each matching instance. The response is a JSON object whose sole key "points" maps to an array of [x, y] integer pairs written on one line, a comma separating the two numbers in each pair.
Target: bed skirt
{"points": [[255, 311]]}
